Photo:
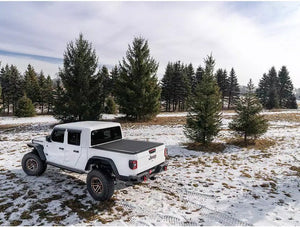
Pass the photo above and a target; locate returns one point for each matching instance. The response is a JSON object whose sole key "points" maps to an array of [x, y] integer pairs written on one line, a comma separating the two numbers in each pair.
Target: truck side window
{"points": [[74, 137], [58, 135], [105, 135]]}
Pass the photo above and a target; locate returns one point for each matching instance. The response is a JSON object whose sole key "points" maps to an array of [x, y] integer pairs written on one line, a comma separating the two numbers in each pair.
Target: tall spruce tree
{"points": [[286, 96], [272, 94], [138, 90], [49, 94], [198, 76], [191, 77], [42, 90], [222, 81], [249, 122], [81, 95], [167, 91], [31, 84], [233, 88], [204, 117], [114, 74], [262, 90]]}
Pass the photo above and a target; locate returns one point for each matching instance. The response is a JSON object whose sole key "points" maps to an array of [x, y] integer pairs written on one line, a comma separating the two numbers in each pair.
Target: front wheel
{"points": [[33, 165], [100, 185]]}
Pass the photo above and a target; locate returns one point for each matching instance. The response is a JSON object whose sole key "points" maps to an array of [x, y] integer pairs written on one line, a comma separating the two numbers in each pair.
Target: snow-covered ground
{"points": [[235, 187]]}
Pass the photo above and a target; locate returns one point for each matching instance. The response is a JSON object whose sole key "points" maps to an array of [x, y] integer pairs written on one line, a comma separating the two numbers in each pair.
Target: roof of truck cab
{"points": [[91, 125]]}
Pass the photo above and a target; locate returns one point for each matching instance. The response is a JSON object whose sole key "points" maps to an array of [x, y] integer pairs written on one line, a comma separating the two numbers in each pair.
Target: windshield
{"points": [[105, 135]]}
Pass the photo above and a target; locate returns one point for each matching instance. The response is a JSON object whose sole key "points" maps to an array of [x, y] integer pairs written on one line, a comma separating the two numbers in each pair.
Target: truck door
{"points": [[72, 148], [55, 148]]}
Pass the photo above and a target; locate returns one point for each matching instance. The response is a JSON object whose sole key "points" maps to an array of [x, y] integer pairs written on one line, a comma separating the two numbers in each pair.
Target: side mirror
{"points": [[48, 139]]}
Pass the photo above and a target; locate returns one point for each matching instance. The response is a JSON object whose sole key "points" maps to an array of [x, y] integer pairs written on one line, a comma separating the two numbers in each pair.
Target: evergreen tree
{"points": [[204, 117], [31, 84], [42, 90], [138, 92], [180, 85], [286, 96], [222, 81], [272, 93], [199, 75], [262, 90], [82, 94], [25, 108], [106, 84], [114, 74], [249, 122], [110, 107], [49, 99], [12, 90], [233, 88], [167, 91], [191, 77]]}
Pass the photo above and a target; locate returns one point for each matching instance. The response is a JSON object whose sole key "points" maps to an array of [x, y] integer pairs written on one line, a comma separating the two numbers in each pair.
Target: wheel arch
{"points": [[40, 150], [102, 161]]}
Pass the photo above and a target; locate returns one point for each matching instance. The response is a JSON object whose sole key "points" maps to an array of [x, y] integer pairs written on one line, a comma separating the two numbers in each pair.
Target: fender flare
{"points": [[39, 148], [104, 161]]}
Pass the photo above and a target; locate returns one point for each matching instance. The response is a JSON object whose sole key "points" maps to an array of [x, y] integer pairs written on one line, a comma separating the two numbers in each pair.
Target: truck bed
{"points": [[127, 146]]}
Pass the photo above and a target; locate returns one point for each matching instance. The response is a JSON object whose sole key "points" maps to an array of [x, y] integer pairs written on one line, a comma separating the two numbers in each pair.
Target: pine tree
{"points": [[25, 108], [110, 107], [31, 84], [12, 89], [199, 75], [286, 96], [167, 91], [233, 88], [249, 122], [49, 94], [222, 81], [114, 74], [262, 90], [204, 117], [82, 89], [272, 93], [42, 91], [138, 92], [106, 84], [191, 76]]}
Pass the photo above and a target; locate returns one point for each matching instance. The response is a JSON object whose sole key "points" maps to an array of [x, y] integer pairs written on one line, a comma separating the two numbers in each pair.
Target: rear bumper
{"points": [[146, 174]]}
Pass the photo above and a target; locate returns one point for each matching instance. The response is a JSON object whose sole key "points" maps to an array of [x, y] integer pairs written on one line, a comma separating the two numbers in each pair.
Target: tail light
{"points": [[166, 152], [133, 164]]}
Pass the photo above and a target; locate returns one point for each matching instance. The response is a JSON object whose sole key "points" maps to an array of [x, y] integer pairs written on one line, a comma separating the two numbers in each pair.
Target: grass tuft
{"points": [[258, 144], [211, 147]]}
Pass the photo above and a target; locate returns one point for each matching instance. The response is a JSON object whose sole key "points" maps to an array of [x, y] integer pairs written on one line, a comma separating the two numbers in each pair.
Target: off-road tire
{"points": [[100, 185], [33, 165]]}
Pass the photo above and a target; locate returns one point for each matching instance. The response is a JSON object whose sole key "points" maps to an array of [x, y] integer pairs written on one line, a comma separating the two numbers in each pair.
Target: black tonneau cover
{"points": [[128, 146]]}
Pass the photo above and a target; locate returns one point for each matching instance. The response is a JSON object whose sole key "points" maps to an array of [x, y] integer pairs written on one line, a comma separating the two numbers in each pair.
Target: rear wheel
{"points": [[100, 185], [33, 165]]}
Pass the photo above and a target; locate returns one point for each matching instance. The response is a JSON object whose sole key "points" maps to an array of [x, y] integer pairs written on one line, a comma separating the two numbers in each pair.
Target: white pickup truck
{"points": [[98, 149]]}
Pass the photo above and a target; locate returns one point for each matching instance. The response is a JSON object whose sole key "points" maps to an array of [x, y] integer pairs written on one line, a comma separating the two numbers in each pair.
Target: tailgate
{"points": [[150, 158]]}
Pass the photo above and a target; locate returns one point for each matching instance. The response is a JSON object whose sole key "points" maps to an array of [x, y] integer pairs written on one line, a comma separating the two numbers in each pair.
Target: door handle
{"points": [[75, 151], [61, 148]]}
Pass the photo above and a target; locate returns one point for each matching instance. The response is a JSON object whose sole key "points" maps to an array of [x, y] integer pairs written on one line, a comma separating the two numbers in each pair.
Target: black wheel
{"points": [[33, 165], [100, 185]]}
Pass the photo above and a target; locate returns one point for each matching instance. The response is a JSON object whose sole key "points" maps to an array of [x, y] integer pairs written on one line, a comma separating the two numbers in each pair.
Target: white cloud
{"points": [[249, 39]]}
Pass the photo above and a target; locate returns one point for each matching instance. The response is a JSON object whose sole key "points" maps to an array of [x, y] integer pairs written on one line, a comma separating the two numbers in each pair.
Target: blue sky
{"points": [[249, 36]]}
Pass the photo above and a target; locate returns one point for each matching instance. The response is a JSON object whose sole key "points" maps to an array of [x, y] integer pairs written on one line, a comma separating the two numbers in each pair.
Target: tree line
{"points": [[180, 80], [35, 86], [275, 90], [83, 91]]}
